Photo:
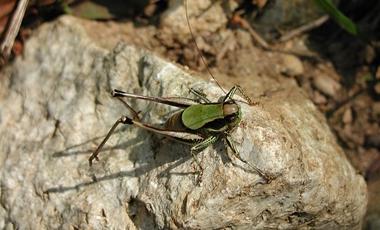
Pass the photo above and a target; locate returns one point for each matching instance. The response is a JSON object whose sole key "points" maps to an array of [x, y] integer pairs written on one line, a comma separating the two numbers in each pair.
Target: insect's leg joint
{"points": [[126, 120], [116, 93], [91, 159]]}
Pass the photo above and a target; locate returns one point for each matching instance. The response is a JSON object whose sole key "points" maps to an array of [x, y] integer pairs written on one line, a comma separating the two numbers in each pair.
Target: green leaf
{"points": [[338, 16]]}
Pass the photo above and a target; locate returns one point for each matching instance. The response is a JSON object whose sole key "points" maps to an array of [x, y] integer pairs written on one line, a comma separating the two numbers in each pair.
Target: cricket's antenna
{"points": [[199, 52]]}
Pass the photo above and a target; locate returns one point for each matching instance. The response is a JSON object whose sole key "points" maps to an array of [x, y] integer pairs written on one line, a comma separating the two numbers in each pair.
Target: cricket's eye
{"points": [[232, 119]]}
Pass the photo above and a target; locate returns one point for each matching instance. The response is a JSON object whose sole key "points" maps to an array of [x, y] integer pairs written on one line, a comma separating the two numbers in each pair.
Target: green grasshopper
{"points": [[199, 124]]}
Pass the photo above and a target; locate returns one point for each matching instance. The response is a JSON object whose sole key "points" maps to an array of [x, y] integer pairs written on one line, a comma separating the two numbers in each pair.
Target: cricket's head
{"points": [[232, 113]]}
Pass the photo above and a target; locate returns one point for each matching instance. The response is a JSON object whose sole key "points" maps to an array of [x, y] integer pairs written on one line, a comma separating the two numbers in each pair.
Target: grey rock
{"points": [[56, 108]]}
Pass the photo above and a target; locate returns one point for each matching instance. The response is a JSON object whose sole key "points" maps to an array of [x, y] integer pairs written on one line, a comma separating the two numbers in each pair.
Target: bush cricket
{"points": [[199, 124]]}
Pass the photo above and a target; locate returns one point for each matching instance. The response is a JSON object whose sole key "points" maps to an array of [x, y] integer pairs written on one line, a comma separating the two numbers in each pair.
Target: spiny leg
{"points": [[200, 95], [184, 137], [231, 143], [202, 145], [232, 92], [228, 96], [120, 120], [180, 102], [135, 114]]}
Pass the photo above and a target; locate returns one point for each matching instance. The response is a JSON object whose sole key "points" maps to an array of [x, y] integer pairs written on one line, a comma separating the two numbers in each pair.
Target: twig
{"points": [[304, 28], [12, 29], [236, 19]]}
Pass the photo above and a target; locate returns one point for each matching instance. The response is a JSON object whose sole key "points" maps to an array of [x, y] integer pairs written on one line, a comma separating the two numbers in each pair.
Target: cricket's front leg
{"points": [[200, 146]]}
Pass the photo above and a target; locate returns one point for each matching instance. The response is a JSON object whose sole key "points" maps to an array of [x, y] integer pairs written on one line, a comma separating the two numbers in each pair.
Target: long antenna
{"points": [[199, 52]]}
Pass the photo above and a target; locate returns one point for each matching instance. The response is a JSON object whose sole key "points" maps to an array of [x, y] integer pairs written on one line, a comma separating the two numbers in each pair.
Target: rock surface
{"points": [[56, 108]]}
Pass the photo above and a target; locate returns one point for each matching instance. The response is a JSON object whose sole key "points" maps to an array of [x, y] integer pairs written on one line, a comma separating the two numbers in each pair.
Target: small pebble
{"points": [[347, 116], [292, 65], [326, 85], [318, 98]]}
